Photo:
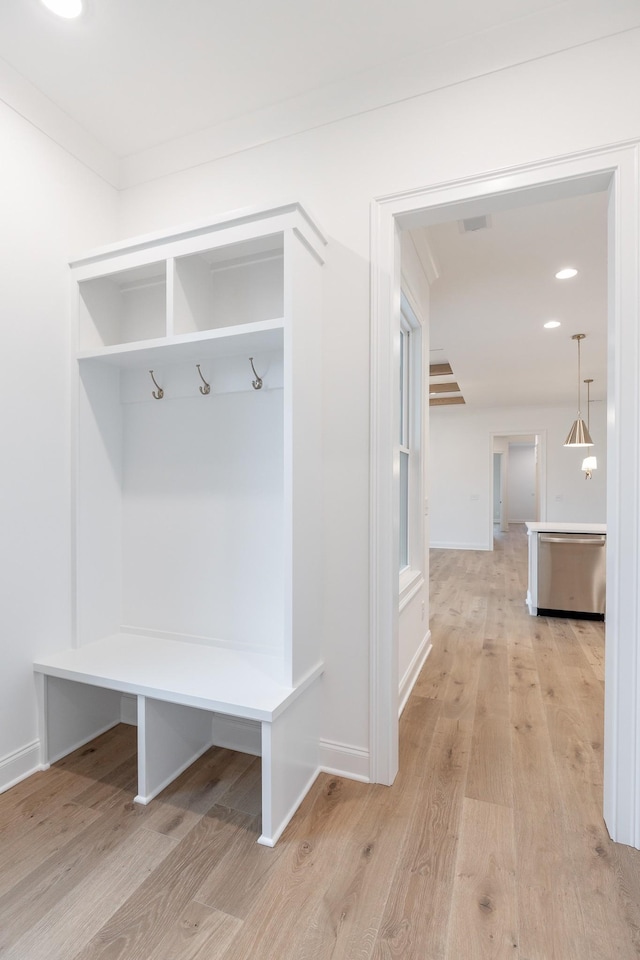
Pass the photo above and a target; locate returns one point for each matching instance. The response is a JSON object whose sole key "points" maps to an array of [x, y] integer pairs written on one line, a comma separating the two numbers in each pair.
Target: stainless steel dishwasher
{"points": [[571, 574]]}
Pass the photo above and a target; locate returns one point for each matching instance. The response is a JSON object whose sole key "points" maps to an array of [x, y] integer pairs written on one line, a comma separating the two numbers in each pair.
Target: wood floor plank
{"points": [[116, 786], [137, 927], [313, 845], [179, 807], [348, 918], [42, 890], [345, 922], [432, 683], [570, 652], [35, 841], [489, 776], [483, 924], [492, 827], [199, 933], [417, 727], [245, 793], [414, 923], [65, 929], [549, 908], [589, 636], [462, 685], [234, 883], [65, 779]]}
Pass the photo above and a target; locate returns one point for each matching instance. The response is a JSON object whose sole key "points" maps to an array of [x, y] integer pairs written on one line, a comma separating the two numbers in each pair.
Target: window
{"points": [[404, 439], [411, 538]]}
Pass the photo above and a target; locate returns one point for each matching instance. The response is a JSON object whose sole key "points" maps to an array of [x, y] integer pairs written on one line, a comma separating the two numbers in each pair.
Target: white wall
{"points": [[522, 482], [461, 456], [544, 108], [51, 206], [547, 107]]}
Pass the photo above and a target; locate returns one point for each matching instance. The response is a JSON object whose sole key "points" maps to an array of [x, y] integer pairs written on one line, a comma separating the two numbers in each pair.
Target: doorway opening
{"points": [[612, 171], [518, 490]]}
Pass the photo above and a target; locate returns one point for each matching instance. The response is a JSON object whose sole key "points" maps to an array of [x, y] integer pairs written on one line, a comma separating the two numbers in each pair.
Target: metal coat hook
{"points": [[257, 383], [160, 392], [207, 386]]}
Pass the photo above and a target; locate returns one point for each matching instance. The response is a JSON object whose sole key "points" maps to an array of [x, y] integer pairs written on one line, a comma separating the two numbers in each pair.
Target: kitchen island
{"points": [[585, 531]]}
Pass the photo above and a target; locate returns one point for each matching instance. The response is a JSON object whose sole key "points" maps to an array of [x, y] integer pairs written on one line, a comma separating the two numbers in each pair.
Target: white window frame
{"points": [[410, 442]]}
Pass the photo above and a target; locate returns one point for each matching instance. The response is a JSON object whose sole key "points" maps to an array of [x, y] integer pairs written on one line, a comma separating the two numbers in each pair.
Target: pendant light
{"points": [[579, 434], [589, 463]]}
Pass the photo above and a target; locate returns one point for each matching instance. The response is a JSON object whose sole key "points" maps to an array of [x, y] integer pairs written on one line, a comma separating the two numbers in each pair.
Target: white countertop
{"points": [[558, 526]]}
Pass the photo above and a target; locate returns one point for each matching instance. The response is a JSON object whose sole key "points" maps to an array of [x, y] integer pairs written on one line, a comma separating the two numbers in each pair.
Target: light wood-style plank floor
{"points": [[489, 845]]}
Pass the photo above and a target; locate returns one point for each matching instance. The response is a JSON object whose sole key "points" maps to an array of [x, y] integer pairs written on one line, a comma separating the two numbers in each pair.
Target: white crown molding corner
{"points": [[27, 101]]}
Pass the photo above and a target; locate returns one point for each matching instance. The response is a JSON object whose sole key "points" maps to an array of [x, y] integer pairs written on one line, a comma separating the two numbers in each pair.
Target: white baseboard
{"points": [[339, 759], [439, 545], [237, 733], [19, 765], [343, 760], [412, 671]]}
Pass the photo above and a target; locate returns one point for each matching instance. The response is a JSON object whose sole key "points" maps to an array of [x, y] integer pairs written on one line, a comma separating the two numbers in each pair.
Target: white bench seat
{"points": [[180, 687]]}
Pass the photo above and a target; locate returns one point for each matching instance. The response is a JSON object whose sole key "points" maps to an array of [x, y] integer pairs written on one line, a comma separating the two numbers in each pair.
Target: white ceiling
{"points": [[140, 88], [136, 73], [166, 84], [496, 288]]}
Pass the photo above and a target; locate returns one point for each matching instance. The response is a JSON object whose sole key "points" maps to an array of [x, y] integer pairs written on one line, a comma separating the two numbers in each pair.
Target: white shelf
{"points": [[262, 336], [196, 675], [198, 518]]}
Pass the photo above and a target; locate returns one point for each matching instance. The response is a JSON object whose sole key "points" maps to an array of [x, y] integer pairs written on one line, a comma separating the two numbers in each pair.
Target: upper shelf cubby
{"points": [[123, 307], [223, 287], [230, 279]]}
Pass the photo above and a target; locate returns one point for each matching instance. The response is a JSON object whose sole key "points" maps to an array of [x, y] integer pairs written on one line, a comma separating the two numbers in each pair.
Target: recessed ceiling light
{"points": [[64, 8], [566, 273], [550, 324]]}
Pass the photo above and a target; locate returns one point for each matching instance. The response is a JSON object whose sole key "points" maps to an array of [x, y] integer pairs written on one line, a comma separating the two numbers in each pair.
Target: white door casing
{"points": [[614, 168]]}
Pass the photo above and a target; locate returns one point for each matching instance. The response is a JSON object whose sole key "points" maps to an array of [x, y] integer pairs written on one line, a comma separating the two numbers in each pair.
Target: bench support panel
{"points": [[170, 738], [71, 714], [290, 761]]}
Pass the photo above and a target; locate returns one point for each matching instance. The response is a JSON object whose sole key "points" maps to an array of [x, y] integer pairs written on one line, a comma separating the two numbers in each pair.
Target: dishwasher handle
{"points": [[597, 540]]}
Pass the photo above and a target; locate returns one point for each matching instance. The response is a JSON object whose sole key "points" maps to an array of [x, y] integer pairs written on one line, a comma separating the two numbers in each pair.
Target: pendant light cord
{"points": [[579, 413]]}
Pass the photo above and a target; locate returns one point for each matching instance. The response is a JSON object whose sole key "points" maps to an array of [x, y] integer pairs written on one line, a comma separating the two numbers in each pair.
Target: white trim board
{"points": [[19, 765], [411, 673], [344, 760], [612, 168], [440, 545]]}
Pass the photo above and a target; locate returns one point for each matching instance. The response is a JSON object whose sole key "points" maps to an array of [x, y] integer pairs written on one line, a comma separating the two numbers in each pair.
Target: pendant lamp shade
{"points": [[579, 434]]}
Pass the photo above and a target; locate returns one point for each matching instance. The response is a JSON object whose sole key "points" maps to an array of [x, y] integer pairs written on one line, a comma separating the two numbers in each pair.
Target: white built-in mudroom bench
{"points": [[198, 503]]}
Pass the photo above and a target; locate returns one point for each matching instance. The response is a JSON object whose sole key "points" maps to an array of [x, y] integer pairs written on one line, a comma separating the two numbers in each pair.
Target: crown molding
{"points": [[562, 26], [32, 105]]}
